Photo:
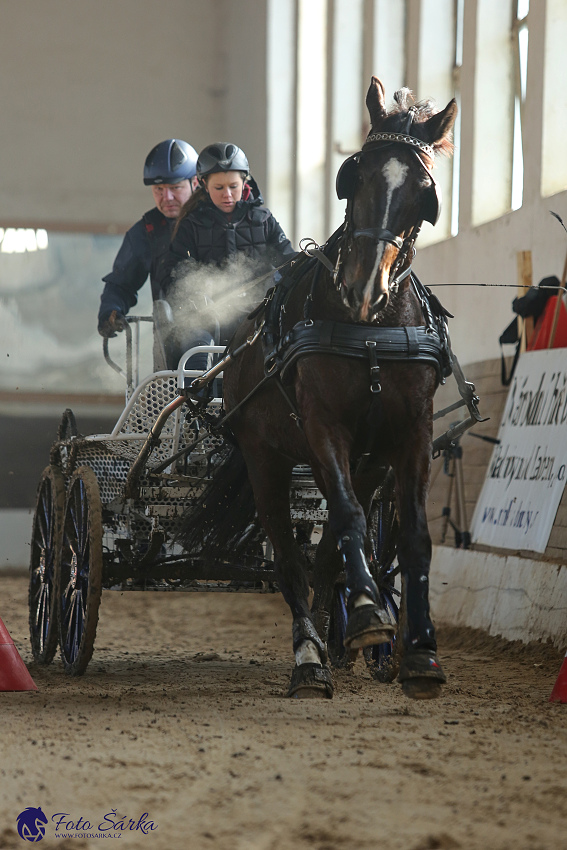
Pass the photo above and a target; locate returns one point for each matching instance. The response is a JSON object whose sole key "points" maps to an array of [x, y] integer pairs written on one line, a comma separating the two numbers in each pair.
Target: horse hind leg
{"points": [[368, 621], [421, 674], [270, 476]]}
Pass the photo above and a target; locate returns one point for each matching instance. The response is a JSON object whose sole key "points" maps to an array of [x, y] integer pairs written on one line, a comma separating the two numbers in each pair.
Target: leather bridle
{"points": [[345, 189]]}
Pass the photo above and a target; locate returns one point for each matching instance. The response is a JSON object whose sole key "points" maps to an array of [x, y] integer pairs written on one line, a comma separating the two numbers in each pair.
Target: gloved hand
{"points": [[112, 324]]}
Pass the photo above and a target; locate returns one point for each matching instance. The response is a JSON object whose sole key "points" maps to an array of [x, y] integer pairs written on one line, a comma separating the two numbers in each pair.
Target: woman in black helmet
{"points": [[223, 225]]}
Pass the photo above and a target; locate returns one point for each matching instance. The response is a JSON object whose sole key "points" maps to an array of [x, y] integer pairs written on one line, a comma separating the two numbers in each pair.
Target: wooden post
{"points": [[558, 306], [525, 277]]}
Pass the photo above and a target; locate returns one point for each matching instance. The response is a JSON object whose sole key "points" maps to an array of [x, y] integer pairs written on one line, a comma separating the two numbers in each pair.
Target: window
{"points": [[493, 111], [554, 162], [49, 300], [349, 116], [311, 118], [436, 80], [520, 33], [389, 54]]}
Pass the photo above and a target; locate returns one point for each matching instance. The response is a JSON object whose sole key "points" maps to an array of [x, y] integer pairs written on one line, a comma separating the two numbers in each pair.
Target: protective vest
{"points": [[212, 239]]}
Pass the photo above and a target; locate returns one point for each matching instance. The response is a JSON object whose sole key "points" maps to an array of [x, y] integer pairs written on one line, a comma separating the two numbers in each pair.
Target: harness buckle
{"points": [[375, 386]]}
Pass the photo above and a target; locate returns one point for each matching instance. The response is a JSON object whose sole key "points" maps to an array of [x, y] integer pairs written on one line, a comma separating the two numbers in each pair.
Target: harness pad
{"points": [[402, 344]]}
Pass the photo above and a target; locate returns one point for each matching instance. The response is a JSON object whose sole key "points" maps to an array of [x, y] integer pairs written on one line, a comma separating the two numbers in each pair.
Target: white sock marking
{"points": [[363, 599], [306, 653]]}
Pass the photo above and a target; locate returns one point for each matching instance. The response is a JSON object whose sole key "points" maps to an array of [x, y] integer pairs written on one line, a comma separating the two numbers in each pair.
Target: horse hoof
{"points": [[421, 675], [368, 625], [421, 689], [311, 681]]}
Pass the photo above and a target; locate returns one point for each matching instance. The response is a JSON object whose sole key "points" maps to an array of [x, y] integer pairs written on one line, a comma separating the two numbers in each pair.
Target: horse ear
{"points": [[375, 101], [440, 125]]}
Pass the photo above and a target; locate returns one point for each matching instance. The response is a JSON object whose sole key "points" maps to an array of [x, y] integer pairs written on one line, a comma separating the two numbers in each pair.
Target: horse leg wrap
{"points": [[368, 623], [420, 629], [311, 680], [359, 580], [322, 620], [302, 630]]}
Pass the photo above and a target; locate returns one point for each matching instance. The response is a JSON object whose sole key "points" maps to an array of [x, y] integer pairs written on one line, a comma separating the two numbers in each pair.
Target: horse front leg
{"points": [[421, 674], [368, 621], [270, 476]]}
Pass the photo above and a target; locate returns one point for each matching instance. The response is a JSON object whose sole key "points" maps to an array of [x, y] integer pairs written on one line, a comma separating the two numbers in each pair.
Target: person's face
{"points": [[225, 189], [170, 197]]}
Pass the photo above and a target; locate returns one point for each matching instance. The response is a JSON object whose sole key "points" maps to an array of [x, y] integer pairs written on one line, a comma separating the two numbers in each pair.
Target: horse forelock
{"points": [[395, 121]]}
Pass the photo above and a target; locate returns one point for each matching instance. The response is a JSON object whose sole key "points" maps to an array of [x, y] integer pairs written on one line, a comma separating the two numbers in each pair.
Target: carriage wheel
{"points": [[338, 653], [44, 564], [80, 585], [382, 659], [68, 426]]}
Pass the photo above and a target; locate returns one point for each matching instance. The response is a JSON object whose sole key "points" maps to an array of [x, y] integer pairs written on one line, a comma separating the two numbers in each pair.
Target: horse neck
{"points": [[403, 309]]}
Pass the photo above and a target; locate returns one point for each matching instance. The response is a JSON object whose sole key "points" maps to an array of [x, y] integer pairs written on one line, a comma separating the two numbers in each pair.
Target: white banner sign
{"points": [[526, 476]]}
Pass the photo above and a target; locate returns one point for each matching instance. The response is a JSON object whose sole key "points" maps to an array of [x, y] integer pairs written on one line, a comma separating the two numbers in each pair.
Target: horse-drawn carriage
{"points": [[109, 505], [328, 391]]}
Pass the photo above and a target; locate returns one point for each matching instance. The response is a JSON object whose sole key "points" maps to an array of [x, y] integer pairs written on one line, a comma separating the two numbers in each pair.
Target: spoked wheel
{"points": [[44, 564], [80, 585], [338, 653], [382, 660], [60, 449], [67, 426]]}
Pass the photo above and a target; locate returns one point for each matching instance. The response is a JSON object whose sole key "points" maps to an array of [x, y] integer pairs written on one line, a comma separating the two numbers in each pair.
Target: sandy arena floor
{"points": [[181, 714]]}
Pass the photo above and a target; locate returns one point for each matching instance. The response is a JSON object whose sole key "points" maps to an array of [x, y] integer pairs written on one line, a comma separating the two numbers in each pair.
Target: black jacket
{"points": [[207, 235], [139, 255]]}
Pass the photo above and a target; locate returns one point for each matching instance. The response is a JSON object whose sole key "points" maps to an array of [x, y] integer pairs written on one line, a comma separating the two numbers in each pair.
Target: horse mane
{"points": [[396, 119]]}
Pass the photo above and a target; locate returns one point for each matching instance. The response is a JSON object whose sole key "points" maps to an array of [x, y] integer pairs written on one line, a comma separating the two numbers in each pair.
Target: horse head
{"points": [[390, 191]]}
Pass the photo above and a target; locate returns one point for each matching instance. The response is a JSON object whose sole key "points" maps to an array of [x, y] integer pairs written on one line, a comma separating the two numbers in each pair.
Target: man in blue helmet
{"points": [[170, 170]]}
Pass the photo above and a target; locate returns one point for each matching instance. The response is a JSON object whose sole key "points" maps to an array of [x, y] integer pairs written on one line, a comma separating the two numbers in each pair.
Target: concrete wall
{"points": [[89, 87], [487, 256], [516, 598]]}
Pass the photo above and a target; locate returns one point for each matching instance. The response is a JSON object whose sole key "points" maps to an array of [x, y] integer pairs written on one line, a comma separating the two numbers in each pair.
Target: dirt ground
{"points": [[182, 715]]}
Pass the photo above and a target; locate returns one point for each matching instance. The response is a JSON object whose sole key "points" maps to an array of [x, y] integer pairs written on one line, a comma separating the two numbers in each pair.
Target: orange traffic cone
{"points": [[14, 675], [559, 692]]}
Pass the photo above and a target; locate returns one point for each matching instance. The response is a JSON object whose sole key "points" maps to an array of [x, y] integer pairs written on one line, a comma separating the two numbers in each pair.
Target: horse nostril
{"points": [[381, 302]]}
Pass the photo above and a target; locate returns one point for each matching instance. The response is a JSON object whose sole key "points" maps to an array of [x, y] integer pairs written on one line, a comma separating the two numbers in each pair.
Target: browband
{"points": [[400, 137]]}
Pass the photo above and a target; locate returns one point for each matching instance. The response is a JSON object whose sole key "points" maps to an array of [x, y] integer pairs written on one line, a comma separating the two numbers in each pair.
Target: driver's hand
{"points": [[113, 324]]}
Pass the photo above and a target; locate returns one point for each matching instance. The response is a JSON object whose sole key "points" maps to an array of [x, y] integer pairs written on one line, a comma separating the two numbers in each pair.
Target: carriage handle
{"points": [[131, 375]]}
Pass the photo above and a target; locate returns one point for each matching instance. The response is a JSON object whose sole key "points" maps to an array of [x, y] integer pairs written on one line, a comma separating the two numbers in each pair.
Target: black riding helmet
{"points": [[221, 156], [170, 162]]}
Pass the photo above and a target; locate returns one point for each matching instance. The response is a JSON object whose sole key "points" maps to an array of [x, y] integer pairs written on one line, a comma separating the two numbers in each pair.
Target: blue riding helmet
{"points": [[170, 162]]}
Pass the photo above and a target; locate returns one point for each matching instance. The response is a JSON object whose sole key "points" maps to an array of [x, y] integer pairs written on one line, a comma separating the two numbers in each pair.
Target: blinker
{"points": [[432, 206], [346, 179]]}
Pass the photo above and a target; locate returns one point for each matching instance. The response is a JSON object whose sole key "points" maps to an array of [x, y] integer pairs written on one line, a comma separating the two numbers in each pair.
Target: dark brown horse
{"points": [[349, 392]]}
